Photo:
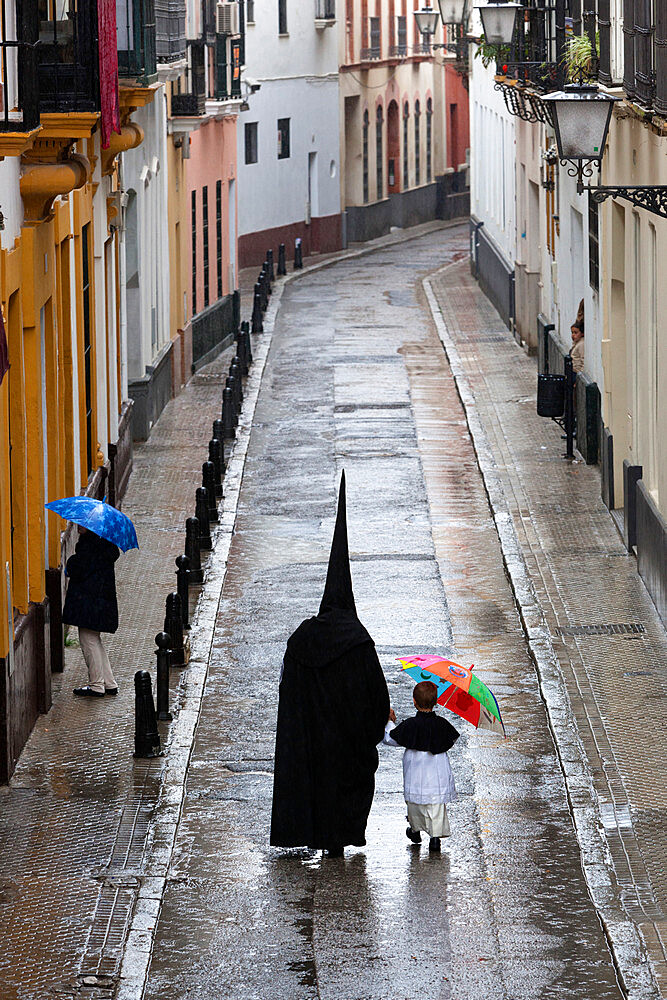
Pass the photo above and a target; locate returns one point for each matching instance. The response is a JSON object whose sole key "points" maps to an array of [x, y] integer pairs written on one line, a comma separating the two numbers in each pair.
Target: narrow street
{"points": [[357, 379]]}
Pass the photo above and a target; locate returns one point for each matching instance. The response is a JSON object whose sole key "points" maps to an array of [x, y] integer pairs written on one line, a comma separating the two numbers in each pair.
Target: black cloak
{"points": [[91, 589], [332, 709], [425, 731]]}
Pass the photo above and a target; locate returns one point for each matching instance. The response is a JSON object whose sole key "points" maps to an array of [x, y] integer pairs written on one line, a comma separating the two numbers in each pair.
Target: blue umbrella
{"points": [[105, 520]]}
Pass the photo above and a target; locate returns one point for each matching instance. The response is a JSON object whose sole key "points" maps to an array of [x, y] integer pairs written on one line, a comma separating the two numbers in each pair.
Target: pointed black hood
{"points": [[338, 587], [336, 628]]}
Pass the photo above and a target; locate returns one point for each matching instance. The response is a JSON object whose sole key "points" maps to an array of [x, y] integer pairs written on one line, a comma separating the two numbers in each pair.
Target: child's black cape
{"points": [[425, 731], [332, 710]]}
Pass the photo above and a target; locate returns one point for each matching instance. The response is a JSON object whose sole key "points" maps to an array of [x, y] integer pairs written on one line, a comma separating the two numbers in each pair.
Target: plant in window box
{"points": [[580, 59], [491, 53]]}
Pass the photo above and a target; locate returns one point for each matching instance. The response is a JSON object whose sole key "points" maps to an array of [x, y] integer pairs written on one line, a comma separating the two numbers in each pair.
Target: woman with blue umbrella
{"points": [[91, 602]]}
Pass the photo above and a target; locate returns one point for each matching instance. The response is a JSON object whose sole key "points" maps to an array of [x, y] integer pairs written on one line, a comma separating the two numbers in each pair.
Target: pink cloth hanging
{"points": [[108, 56]]}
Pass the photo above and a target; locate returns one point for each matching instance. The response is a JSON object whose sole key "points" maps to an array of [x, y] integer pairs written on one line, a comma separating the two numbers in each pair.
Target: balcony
{"points": [[325, 13], [67, 58], [192, 103], [135, 25], [228, 63], [371, 54], [19, 96], [170, 30]]}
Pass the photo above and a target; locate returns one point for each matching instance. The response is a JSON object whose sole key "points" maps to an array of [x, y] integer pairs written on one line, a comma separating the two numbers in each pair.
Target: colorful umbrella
{"points": [[105, 520], [458, 690]]}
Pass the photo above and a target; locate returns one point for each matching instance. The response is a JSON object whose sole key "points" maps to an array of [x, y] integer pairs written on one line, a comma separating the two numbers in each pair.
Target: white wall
{"points": [[493, 159], [298, 77], [144, 171], [10, 203]]}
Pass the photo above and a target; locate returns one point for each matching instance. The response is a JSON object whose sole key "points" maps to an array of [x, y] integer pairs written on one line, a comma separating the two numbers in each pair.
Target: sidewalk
{"points": [[602, 625]]}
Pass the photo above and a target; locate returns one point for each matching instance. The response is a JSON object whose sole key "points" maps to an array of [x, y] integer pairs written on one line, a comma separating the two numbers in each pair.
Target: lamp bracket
{"points": [[653, 199]]}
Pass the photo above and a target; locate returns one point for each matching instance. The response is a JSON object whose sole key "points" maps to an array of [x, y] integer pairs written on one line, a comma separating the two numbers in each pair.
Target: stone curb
{"points": [[624, 938], [178, 749]]}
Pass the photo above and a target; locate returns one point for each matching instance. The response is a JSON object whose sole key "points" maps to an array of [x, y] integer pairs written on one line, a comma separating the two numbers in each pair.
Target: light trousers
{"points": [[100, 676]]}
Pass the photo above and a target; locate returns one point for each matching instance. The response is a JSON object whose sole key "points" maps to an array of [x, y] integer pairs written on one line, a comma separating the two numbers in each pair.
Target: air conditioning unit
{"points": [[227, 18]]}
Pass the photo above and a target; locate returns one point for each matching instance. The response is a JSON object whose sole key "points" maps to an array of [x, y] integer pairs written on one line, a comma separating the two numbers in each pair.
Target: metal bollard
{"points": [[195, 572], [282, 267], [269, 278], [219, 435], [163, 654], [201, 513], [182, 586], [569, 416], [269, 260], [236, 309], [263, 291], [231, 385], [237, 372], [173, 626], [298, 254], [215, 456], [146, 736], [257, 323], [228, 414], [241, 353], [245, 330], [208, 482]]}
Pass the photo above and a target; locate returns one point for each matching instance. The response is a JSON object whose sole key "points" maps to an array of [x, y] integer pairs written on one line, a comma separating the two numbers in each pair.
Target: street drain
{"points": [[628, 629]]}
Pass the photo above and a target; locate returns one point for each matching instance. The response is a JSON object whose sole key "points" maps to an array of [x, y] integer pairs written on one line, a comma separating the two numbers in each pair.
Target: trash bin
{"points": [[550, 395]]}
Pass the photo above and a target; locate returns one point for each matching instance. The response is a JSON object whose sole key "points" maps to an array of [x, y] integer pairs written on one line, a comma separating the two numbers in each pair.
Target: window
{"points": [[283, 138], [193, 216], [251, 142], [365, 155], [406, 156], [218, 233], [375, 37], [417, 140], [250, 11], [593, 243], [378, 152], [282, 17], [402, 35], [429, 139], [204, 206]]}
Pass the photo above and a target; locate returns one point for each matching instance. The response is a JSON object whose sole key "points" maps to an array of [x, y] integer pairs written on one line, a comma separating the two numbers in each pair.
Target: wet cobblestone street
{"points": [[356, 378]]}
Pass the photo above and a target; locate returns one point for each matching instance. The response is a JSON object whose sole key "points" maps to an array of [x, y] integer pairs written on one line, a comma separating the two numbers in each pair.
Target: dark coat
{"points": [[91, 591], [330, 719]]}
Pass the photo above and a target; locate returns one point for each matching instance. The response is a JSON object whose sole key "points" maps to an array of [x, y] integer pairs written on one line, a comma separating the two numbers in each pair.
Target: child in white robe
{"points": [[428, 782]]}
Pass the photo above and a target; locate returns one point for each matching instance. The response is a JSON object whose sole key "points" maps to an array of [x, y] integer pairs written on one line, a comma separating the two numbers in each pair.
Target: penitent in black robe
{"points": [[332, 710]]}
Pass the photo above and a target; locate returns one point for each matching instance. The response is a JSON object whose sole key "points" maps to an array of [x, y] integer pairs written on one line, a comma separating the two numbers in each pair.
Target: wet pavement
{"points": [[356, 378], [110, 867]]}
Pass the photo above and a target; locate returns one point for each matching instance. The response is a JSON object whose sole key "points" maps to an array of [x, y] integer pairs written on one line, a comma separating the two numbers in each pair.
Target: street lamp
{"points": [[581, 115], [498, 21], [427, 22], [452, 11]]}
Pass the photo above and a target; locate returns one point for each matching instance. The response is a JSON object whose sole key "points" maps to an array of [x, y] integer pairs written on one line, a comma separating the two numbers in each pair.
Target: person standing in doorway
{"points": [[577, 332], [92, 606]]}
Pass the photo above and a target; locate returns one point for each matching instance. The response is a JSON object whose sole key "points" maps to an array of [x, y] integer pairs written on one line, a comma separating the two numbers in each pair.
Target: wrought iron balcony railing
{"points": [[19, 31], [67, 56], [135, 26], [193, 101], [170, 30], [370, 54]]}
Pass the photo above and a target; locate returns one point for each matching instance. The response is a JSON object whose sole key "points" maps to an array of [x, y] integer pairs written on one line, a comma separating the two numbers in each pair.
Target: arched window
{"points": [[365, 155], [406, 156], [378, 152], [429, 141], [417, 141]]}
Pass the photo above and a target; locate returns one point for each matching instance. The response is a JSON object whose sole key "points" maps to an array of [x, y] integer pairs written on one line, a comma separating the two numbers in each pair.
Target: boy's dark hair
{"points": [[425, 694]]}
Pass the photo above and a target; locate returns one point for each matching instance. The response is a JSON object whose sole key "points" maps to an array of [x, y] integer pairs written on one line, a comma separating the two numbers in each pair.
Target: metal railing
{"points": [[193, 102], [170, 30], [370, 54], [67, 58]]}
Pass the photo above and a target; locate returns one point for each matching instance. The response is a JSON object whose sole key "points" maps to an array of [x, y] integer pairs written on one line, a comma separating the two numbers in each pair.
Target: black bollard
{"points": [[269, 277], [228, 414], [195, 573], [173, 626], [182, 585], [241, 353], [163, 654], [263, 290], [282, 267], [269, 260], [219, 435], [215, 456], [236, 371], [236, 309], [201, 513], [298, 254], [257, 323], [231, 385], [146, 736], [208, 482], [245, 330]]}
